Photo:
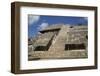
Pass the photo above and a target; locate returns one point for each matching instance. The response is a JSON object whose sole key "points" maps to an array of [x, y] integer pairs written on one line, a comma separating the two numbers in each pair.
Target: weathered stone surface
{"points": [[56, 41]]}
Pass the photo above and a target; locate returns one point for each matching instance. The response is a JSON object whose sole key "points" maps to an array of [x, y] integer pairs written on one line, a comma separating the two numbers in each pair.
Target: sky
{"points": [[38, 22]]}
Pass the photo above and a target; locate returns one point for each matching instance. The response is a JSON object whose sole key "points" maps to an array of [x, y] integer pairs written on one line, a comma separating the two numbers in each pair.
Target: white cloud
{"points": [[85, 18], [42, 26], [33, 19]]}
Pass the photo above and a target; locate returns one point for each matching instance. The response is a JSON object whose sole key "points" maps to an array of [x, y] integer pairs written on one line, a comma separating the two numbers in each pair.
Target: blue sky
{"points": [[38, 22]]}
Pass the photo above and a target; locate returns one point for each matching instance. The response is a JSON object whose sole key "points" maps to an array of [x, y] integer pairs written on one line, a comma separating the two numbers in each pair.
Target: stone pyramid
{"points": [[59, 42]]}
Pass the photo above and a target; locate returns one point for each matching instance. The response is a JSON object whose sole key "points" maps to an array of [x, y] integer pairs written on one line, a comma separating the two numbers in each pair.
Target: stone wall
{"points": [[66, 35]]}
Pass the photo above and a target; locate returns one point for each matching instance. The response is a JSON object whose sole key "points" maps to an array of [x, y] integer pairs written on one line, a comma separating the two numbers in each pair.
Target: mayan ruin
{"points": [[59, 41]]}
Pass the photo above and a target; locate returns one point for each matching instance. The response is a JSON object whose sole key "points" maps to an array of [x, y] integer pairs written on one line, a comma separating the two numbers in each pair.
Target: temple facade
{"points": [[59, 42]]}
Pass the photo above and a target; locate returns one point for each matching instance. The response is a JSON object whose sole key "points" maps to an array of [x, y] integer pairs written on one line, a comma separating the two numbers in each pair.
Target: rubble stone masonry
{"points": [[59, 42]]}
